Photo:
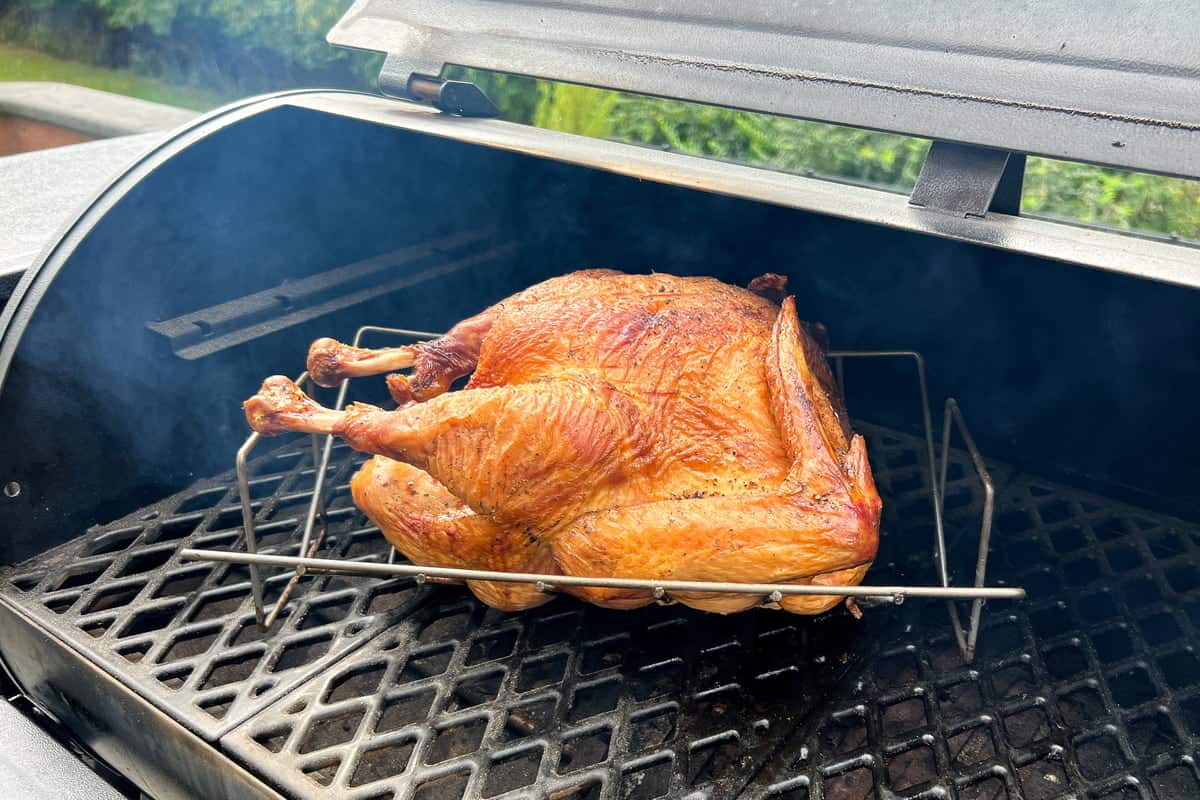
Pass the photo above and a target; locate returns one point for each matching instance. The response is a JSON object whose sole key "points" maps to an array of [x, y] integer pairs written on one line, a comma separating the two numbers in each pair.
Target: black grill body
{"points": [[121, 421]]}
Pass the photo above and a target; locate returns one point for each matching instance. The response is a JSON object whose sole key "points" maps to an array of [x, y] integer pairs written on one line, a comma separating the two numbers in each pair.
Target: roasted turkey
{"points": [[615, 425]]}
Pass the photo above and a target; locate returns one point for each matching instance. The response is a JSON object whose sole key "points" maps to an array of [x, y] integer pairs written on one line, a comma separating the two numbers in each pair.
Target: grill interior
{"points": [[373, 689]]}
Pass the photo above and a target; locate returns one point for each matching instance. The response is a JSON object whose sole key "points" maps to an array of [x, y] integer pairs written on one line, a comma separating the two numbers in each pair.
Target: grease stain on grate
{"points": [[449, 786], [493, 646], [232, 669], [359, 682], [512, 771], [647, 781], [653, 728], [183, 583], [542, 671], [330, 731], [594, 699], [322, 772], [1099, 757], [302, 652], [475, 690], [382, 761], [150, 620], [326, 612], [401, 710], [584, 749], [192, 643], [453, 739]]}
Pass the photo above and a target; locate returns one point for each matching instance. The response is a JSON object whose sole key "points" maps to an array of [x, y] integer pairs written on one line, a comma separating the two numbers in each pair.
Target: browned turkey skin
{"points": [[615, 425]]}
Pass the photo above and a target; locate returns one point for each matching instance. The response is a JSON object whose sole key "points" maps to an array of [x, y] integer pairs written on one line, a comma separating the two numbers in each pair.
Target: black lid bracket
{"points": [[402, 77], [969, 181]]}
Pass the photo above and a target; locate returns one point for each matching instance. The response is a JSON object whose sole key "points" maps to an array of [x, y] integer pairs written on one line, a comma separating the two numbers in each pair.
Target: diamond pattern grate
{"points": [[183, 634], [372, 689]]}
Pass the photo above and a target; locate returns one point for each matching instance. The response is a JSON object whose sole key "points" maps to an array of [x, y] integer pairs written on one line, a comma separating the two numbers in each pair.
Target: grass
{"points": [[19, 64]]}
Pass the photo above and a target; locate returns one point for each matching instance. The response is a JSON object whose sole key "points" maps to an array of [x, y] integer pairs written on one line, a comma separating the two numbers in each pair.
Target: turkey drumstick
{"points": [[437, 363], [555, 441]]}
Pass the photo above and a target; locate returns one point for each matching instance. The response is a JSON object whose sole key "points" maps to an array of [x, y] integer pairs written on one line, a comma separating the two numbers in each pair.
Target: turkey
{"points": [[614, 425]]}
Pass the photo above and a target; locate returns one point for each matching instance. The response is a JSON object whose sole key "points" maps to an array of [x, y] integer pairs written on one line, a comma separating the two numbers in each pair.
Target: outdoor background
{"points": [[202, 53]]}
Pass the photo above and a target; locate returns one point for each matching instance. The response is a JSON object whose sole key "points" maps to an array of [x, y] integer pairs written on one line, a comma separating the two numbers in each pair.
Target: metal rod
{"points": [[927, 424], [960, 634], [316, 507], [295, 579], [340, 567], [243, 479], [985, 526], [265, 619]]}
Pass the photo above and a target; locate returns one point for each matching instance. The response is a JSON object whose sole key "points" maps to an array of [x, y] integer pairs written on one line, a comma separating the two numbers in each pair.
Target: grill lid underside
{"points": [[1113, 84]]}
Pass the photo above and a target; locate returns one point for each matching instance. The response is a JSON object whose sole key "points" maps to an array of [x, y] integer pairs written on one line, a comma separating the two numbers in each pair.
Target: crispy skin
{"points": [[432, 527], [633, 425]]}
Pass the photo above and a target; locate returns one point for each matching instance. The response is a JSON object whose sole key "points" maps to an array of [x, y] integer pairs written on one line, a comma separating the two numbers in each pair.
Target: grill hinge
{"points": [[969, 181], [401, 77]]}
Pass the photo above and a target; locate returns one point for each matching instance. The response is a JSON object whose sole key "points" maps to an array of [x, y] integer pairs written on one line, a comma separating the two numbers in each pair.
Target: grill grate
{"points": [[184, 635], [382, 689], [576, 701]]}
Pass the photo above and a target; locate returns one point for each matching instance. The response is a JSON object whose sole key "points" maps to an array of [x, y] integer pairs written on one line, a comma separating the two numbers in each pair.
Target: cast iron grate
{"points": [[576, 701], [182, 634], [1091, 689]]}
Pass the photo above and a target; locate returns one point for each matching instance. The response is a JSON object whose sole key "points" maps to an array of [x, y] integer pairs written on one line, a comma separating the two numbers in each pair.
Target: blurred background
{"points": [[199, 54]]}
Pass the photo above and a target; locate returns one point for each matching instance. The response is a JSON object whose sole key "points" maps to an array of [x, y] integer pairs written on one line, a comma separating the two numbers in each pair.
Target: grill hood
{"points": [[1115, 83]]}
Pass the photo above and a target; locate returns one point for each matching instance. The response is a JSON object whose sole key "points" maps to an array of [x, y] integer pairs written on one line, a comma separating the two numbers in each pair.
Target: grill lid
{"points": [[1111, 83]]}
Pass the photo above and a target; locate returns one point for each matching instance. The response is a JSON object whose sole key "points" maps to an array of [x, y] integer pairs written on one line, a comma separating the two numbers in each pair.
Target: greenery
{"points": [[1079, 192], [230, 47], [18, 64], [212, 50]]}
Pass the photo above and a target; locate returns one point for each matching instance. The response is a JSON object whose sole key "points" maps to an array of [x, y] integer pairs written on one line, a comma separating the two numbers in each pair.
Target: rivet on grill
{"points": [[659, 593], [898, 598], [775, 596], [541, 586], [12, 489], [421, 578]]}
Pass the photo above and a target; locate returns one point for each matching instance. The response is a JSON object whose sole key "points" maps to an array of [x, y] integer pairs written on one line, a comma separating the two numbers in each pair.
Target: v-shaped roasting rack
{"points": [[771, 593]]}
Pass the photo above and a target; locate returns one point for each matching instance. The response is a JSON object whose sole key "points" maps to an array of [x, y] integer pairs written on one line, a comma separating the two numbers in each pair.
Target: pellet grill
{"points": [[215, 258]]}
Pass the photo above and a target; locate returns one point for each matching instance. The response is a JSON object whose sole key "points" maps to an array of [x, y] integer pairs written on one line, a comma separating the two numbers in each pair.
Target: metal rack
{"points": [[978, 593]]}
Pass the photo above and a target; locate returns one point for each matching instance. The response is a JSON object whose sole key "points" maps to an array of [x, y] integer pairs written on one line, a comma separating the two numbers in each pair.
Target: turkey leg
{"points": [[530, 454], [432, 527], [436, 363]]}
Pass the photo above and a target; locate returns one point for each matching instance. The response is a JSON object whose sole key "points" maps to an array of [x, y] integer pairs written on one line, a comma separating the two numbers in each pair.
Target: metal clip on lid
{"points": [[461, 98], [420, 81], [969, 181]]}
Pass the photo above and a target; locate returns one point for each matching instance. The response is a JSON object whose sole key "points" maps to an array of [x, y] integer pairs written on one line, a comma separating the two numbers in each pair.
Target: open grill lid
{"points": [[1109, 83]]}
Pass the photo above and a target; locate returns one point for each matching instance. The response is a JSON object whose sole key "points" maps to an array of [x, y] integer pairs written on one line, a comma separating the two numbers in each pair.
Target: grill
{"points": [[129, 606], [369, 687]]}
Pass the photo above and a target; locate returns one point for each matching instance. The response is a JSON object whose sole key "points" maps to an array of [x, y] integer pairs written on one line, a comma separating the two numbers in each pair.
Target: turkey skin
{"points": [[614, 425]]}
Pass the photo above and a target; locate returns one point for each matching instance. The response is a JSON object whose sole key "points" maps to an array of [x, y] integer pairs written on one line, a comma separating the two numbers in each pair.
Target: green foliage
{"points": [[1112, 197], [1077, 192], [231, 46], [576, 109], [18, 64], [775, 142]]}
